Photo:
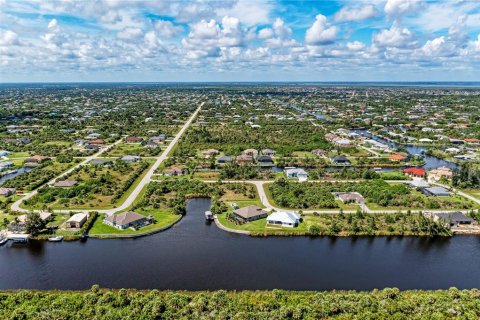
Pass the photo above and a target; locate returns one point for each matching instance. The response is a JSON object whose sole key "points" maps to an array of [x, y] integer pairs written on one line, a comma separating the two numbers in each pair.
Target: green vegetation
{"points": [[389, 303], [96, 186], [358, 224], [377, 193], [468, 176]]}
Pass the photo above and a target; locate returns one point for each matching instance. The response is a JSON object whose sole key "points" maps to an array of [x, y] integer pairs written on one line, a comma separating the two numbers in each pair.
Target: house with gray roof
{"points": [[250, 213], [126, 220]]}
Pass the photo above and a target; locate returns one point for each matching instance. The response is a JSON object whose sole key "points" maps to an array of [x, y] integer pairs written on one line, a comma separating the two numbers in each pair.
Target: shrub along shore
{"points": [[96, 303]]}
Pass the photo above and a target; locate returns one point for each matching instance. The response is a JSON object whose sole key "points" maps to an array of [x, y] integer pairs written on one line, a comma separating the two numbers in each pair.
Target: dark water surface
{"points": [[196, 256]]}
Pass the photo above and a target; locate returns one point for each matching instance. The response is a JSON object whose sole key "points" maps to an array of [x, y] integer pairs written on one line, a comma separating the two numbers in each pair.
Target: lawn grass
{"points": [[472, 192]]}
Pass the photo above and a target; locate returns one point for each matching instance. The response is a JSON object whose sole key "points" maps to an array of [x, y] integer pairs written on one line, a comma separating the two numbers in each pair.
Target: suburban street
{"points": [[134, 194]]}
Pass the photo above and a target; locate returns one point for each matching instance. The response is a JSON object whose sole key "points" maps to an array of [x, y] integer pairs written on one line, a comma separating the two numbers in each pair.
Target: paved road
{"points": [[16, 204], [135, 193], [147, 178]]}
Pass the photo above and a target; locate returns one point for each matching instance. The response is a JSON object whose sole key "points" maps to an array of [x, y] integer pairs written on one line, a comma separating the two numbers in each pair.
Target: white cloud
{"points": [[249, 12], [167, 29], [397, 8], [206, 38], [8, 38], [396, 36], [355, 45], [130, 33], [319, 33], [265, 33], [347, 14]]}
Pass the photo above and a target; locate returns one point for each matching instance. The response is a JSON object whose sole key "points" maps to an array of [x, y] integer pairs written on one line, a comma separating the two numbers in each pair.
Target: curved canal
{"points": [[196, 256]]}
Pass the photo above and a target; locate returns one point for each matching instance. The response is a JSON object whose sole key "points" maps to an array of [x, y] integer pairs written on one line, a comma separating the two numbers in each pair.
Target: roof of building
{"points": [[453, 217], [284, 216], [419, 183], [415, 171], [437, 191], [250, 212], [124, 218], [7, 190], [397, 157], [65, 183], [349, 196], [77, 217]]}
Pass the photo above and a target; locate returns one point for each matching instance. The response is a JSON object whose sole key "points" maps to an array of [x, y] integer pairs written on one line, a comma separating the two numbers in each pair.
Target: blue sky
{"points": [[239, 40]]}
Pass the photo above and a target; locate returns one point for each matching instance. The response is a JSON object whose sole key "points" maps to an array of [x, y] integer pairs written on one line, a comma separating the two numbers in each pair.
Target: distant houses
{"points": [[340, 160], [7, 192], [130, 159], [349, 197], [454, 219]]}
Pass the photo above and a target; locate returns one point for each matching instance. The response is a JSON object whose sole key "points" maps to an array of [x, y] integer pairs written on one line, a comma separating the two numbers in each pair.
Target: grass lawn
{"points": [[473, 192], [207, 175], [163, 218], [19, 155]]}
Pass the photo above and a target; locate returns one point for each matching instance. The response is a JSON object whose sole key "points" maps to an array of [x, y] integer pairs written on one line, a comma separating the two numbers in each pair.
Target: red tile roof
{"points": [[415, 171]]}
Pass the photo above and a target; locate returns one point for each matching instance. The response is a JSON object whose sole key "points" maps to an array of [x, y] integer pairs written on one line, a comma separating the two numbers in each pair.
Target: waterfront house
{"points": [[414, 172], [244, 159], [7, 192], [264, 160], [77, 220], [126, 220], [65, 184], [284, 219], [225, 159], [130, 159], [5, 165], [342, 160], [298, 173], [250, 213], [436, 191], [268, 152], [349, 197], [455, 218], [397, 157]]}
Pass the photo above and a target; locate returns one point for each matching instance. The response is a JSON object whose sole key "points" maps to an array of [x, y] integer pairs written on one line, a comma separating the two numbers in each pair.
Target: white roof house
{"points": [[298, 173], [284, 218]]}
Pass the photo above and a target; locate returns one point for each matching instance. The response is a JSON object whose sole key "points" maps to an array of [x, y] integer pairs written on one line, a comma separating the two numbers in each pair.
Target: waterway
{"points": [[194, 255], [12, 175], [431, 162]]}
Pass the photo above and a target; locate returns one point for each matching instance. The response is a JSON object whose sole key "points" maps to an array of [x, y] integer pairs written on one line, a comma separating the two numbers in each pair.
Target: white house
{"points": [[298, 173], [283, 218]]}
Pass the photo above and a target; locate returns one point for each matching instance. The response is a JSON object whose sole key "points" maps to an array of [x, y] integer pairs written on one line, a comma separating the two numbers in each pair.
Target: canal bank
{"points": [[195, 255]]}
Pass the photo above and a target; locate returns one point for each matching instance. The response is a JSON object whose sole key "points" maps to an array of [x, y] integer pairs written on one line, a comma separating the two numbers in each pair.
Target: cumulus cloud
{"points": [[396, 37], [320, 33], [355, 45], [130, 33], [8, 38], [167, 29], [206, 38], [397, 8], [249, 12], [347, 14]]}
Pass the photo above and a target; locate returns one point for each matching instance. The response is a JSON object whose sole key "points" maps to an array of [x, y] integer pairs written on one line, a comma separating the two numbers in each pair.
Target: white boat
{"points": [[55, 239], [3, 241], [208, 215]]}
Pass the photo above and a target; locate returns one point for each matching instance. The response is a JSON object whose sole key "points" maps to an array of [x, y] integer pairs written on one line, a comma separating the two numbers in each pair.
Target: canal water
{"points": [[196, 256], [12, 175]]}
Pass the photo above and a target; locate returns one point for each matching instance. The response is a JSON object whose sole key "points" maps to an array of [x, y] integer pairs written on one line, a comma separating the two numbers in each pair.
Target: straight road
{"points": [[147, 178], [135, 193], [16, 204]]}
